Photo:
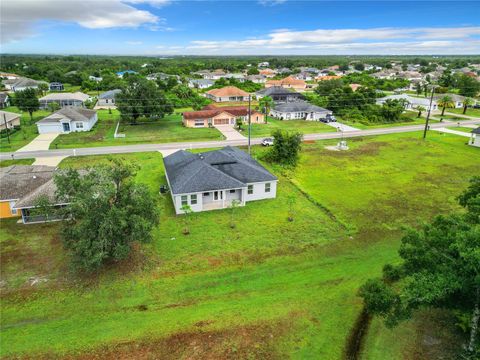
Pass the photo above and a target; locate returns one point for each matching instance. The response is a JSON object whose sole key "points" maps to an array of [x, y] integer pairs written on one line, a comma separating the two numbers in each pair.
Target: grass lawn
{"points": [[305, 127], [27, 132], [169, 129], [470, 112], [460, 128], [407, 115], [5, 163], [267, 289]]}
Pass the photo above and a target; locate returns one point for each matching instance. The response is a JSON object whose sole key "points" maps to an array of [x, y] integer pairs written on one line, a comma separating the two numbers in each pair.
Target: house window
{"points": [[184, 200], [106, 101], [199, 123], [232, 191], [206, 194], [267, 187], [250, 189], [79, 125], [193, 199], [12, 210]]}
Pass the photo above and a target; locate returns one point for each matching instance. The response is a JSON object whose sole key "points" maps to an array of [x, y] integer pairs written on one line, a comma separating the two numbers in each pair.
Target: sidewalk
{"points": [[341, 127], [454, 132]]}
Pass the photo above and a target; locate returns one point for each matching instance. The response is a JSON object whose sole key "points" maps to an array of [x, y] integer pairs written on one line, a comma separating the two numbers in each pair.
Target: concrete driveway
{"points": [[341, 127], [41, 142], [229, 132]]}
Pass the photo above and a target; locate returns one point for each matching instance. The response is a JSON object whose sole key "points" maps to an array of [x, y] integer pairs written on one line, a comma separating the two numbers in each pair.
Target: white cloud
{"points": [[350, 41], [271, 2], [20, 16]]}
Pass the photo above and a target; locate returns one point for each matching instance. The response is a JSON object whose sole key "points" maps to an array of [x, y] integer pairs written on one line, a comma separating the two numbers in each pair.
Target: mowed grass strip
{"points": [[266, 270], [303, 126]]}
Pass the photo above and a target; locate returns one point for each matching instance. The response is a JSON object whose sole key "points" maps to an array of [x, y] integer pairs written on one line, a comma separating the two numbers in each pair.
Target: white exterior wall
{"points": [[106, 102], [49, 128], [177, 202], [475, 140], [259, 191], [300, 115], [58, 127]]}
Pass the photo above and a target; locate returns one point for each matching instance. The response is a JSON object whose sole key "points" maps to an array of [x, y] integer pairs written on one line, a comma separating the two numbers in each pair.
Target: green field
{"points": [[169, 129], [269, 288], [303, 126], [461, 128], [27, 132], [5, 163], [470, 112]]}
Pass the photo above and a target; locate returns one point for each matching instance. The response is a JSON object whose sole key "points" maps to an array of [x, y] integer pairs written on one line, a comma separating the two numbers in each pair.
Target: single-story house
{"points": [[95, 78], [279, 94], [411, 102], [263, 64], [56, 86], [20, 188], [21, 83], [9, 120], [64, 99], [107, 99], [299, 110], [4, 100], [304, 76], [267, 73], [257, 79], [9, 76], [200, 83], [68, 119], [457, 99], [475, 139], [236, 76], [227, 93], [162, 76], [211, 115], [121, 73], [215, 179], [327, 77], [289, 82]]}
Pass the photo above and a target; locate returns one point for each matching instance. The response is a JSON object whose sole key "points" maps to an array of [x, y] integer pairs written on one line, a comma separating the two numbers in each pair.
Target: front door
{"points": [[217, 195], [66, 127]]}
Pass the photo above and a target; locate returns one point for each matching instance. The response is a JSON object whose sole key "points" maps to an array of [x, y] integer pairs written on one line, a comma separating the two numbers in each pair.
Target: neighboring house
{"points": [[288, 83], [95, 78], [279, 94], [55, 86], [355, 87], [263, 64], [283, 71], [21, 83], [64, 99], [475, 139], [304, 75], [267, 72], [200, 83], [9, 120], [8, 76], [211, 115], [257, 79], [239, 77], [20, 188], [4, 100], [327, 77], [299, 110], [162, 76], [411, 102], [214, 179], [457, 99], [68, 119], [107, 99], [121, 73], [227, 93]]}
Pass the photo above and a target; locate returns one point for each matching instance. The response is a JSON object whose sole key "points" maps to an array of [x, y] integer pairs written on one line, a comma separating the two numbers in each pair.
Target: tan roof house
{"points": [[9, 120], [227, 93], [212, 115], [289, 83]]}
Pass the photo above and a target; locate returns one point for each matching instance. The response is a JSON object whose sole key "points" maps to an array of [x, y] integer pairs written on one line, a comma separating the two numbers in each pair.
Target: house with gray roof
{"points": [[107, 99], [22, 83], [21, 187], [299, 110], [64, 99], [200, 83], [8, 120], [68, 119], [215, 179], [279, 94]]}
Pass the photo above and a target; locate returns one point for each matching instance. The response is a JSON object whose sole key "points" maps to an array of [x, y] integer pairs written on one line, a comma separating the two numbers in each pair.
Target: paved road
{"points": [[209, 144]]}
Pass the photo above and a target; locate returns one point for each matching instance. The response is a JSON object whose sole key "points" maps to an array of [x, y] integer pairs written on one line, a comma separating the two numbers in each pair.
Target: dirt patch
{"points": [[357, 335]]}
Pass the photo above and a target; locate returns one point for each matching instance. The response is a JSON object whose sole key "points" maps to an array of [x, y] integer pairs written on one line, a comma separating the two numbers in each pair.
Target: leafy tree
{"points": [[43, 207], [107, 213], [265, 104], [187, 211], [440, 268], [239, 123], [420, 109], [359, 66], [391, 110], [445, 102], [42, 88], [286, 147], [324, 88], [418, 88], [142, 98], [27, 100], [467, 86], [53, 106], [466, 103], [233, 206], [253, 71]]}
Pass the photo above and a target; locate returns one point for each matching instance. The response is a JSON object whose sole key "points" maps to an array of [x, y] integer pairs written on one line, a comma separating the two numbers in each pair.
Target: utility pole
{"points": [[249, 122], [428, 113], [6, 127]]}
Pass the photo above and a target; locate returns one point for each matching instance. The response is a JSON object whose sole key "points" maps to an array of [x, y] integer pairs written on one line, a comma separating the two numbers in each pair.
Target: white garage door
{"points": [[49, 128]]}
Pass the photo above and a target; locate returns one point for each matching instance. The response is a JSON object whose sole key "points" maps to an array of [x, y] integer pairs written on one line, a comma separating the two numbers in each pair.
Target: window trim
{"points": [[268, 186], [192, 199], [250, 190], [184, 200]]}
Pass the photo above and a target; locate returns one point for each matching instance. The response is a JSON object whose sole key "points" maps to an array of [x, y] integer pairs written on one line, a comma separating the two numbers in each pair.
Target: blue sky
{"points": [[168, 27]]}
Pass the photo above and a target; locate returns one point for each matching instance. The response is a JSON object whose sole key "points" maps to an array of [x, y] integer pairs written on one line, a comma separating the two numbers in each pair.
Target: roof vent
{"points": [[34, 176]]}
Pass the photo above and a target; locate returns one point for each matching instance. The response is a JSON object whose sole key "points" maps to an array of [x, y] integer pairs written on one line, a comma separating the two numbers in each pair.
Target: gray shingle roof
{"points": [[476, 131], [69, 112], [3, 97], [9, 116], [109, 94], [298, 106], [228, 168], [17, 181], [278, 90]]}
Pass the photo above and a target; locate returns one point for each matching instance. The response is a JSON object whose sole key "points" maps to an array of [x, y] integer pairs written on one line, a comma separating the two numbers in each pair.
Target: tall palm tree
{"points": [[420, 109], [445, 102], [266, 103], [466, 103]]}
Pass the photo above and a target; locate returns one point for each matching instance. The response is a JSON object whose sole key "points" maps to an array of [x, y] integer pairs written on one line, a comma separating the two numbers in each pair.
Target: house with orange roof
{"points": [[354, 87], [328, 77], [267, 72], [212, 115], [227, 93], [288, 83]]}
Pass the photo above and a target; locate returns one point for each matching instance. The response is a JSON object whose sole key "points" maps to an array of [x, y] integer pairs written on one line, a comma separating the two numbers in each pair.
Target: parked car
{"points": [[267, 142], [329, 118]]}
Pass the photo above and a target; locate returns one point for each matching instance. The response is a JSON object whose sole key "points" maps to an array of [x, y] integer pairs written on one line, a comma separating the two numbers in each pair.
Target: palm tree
{"points": [[445, 102], [466, 103], [420, 109], [266, 104]]}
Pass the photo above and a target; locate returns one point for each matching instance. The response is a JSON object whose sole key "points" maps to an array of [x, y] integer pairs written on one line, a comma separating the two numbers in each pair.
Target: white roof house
{"points": [[299, 110], [64, 99], [411, 102], [66, 120]]}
